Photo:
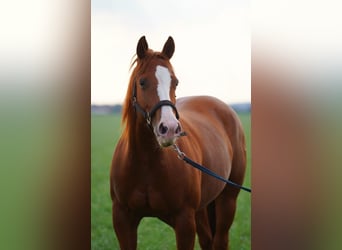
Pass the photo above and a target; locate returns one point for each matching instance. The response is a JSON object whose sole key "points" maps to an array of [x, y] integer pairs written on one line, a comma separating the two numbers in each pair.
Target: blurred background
{"points": [[45, 97]]}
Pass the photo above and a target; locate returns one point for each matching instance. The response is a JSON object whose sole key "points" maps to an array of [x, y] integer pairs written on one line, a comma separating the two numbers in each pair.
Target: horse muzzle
{"points": [[167, 132]]}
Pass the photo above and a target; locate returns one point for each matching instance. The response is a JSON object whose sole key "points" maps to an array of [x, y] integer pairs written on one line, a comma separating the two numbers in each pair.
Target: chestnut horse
{"points": [[148, 180]]}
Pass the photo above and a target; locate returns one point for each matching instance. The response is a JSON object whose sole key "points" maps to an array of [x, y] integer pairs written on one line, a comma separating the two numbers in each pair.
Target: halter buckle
{"points": [[148, 118], [181, 154]]}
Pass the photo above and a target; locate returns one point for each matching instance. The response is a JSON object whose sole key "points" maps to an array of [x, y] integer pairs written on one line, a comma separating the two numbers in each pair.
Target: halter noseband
{"points": [[148, 115]]}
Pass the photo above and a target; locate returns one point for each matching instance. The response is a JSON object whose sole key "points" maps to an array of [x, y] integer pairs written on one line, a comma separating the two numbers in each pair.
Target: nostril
{"points": [[178, 130], [162, 129]]}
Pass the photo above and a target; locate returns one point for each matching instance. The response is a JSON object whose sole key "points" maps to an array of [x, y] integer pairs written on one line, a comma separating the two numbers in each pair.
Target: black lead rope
{"points": [[183, 157]]}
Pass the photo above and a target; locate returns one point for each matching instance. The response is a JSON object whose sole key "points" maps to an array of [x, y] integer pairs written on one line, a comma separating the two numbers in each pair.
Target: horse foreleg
{"points": [[125, 226], [185, 228], [203, 229]]}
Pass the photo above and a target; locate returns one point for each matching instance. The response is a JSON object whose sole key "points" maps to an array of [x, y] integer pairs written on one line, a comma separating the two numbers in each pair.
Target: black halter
{"points": [[148, 115]]}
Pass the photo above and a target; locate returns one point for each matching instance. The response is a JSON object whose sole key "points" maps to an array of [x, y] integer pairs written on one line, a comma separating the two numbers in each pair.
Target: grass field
{"points": [[153, 234]]}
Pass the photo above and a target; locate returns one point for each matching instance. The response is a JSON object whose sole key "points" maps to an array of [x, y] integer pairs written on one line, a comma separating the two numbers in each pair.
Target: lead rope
{"points": [[183, 157]]}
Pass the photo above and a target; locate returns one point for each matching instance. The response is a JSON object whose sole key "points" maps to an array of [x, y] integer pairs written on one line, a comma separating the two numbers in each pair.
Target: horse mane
{"points": [[128, 114]]}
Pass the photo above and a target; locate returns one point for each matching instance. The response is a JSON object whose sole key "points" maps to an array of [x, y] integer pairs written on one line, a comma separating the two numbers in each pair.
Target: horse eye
{"points": [[176, 82], [142, 82]]}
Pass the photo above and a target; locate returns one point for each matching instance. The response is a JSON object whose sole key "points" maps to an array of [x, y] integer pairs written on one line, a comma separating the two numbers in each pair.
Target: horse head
{"points": [[153, 93]]}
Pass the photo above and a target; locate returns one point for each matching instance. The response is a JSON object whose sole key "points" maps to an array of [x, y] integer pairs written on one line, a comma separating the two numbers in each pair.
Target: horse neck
{"points": [[141, 138]]}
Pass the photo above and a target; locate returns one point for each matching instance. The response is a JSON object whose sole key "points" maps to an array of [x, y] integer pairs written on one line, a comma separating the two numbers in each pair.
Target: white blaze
{"points": [[164, 83]]}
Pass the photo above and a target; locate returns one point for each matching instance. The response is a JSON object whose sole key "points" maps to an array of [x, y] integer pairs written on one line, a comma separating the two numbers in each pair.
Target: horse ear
{"points": [[169, 47], [142, 47]]}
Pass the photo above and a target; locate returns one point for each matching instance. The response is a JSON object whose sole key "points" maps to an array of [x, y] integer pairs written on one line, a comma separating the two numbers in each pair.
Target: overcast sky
{"points": [[212, 38]]}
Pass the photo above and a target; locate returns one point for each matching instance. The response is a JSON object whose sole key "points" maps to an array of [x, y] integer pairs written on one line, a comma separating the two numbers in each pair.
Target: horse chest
{"points": [[153, 189], [149, 200], [150, 194]]}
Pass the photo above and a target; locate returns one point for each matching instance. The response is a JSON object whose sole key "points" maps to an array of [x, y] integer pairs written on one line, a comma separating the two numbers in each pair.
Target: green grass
{"points": [[152, 233]]}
